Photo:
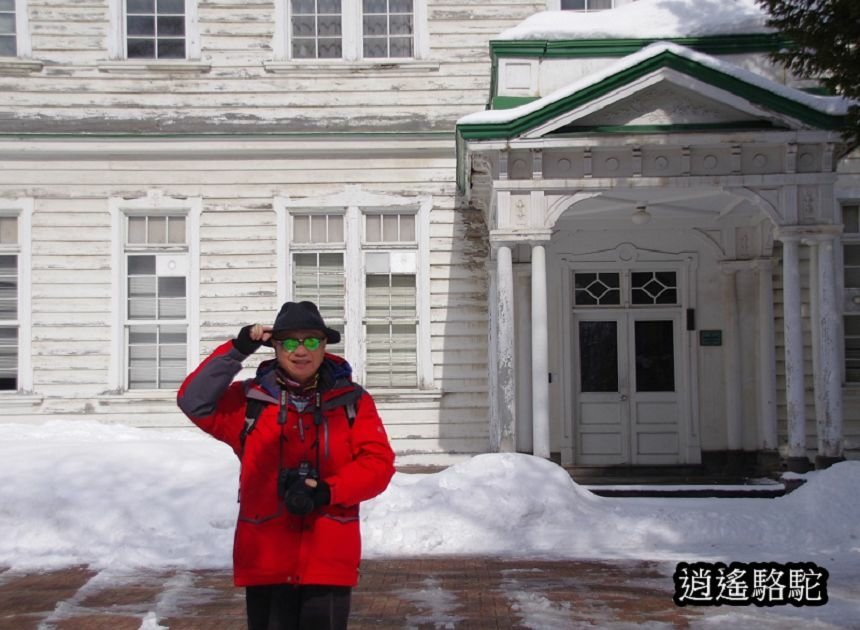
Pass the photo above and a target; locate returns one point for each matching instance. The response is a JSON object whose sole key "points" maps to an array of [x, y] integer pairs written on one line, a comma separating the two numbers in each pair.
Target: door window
{"points": [[598, 356], [597, 289], [653, 288], [655, 356], [629, 288]]}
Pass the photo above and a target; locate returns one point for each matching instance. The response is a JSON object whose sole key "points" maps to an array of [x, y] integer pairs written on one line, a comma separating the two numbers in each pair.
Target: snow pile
{"points": [[646, 19], [115, 497], [491, 504], [87, 493]]}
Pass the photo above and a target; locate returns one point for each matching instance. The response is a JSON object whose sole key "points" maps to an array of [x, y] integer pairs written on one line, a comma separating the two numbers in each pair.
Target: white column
{"points": [[815, 330], [540, 355], [506, 395], [830, 430], [767, 427], [794, 394], [732, 361]]}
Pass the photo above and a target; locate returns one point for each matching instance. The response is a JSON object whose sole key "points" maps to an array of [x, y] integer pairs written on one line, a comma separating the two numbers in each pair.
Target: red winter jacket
{"points": [[273, 546]]}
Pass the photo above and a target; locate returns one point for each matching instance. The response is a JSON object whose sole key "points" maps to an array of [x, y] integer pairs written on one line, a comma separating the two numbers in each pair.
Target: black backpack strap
{"points": [[253, 409], [347, 400]]}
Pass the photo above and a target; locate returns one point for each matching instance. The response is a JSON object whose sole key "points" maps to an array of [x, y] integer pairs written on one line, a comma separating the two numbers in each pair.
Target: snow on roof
{"points": [[646, 19], [833, 105]]}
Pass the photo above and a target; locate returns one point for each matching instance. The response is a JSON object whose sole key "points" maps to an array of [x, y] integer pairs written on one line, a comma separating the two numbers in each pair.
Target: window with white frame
{"points": [[14, 29], [319, 247], [9, 290], [583, 5], [16, 373], [387, 28], [156, 300], [316, 29], [851, 271], [154, 29], [390, 299], [8, 29], [353, 29], [366, 268]]}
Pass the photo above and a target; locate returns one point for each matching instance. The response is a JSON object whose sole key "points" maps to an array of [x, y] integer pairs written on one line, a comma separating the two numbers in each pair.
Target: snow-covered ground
{"points": [[119, 498]]}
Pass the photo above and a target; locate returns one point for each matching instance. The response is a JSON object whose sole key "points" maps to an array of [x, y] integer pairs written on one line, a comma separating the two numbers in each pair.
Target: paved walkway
{"points": [[468, 593]]}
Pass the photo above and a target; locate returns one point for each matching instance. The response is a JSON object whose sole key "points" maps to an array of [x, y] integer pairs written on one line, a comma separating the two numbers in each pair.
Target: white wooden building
{"points": [[642, 254]]}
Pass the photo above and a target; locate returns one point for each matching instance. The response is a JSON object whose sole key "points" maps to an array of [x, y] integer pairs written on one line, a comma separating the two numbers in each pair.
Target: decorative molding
{"points": [[807, 204], [138, 66], [355, 196], [557, 205], [509, 238], [314, 68], [809, 232], [761, 201], [659, 105], [19, 67]]}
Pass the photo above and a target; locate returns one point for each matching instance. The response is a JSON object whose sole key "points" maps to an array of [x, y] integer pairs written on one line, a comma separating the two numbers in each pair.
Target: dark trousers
{"points": [[287, 607]]}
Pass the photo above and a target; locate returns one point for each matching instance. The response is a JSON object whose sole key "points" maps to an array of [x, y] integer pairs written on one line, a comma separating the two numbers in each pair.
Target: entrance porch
{"points": [[661, 297]]}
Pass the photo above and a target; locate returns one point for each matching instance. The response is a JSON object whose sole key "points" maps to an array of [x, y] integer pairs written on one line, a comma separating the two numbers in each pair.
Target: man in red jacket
{"points": [[312, 447]]}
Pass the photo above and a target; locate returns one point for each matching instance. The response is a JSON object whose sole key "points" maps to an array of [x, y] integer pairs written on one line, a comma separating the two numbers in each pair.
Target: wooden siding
{"points": [[71, 138], [71, 280], [230, 88]]}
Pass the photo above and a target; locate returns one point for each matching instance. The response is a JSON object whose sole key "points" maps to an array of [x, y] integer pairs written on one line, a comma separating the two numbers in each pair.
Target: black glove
{"points": [[322, 494], [243, 342], [301, 499]]}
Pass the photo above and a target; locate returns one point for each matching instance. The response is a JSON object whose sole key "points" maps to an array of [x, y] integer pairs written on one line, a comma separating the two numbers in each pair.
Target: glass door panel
{"points": [[598, 356], [655, 356]]}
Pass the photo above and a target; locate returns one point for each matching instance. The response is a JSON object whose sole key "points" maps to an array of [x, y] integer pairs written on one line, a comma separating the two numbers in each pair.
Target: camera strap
{"points": [[254, 408]]}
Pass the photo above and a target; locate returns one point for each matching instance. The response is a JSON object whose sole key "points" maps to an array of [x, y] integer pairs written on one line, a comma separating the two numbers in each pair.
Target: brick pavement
{"points": [[459, 592]]}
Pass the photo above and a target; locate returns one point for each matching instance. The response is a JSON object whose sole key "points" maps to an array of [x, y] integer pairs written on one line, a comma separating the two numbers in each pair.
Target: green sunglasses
{"points": [[291, 345]]}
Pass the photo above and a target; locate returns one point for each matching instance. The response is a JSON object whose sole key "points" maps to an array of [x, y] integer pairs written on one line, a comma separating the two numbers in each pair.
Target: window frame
{"points": [[351, 36], [390, 249], [22, 210], [847, 238], [329, 247], [23, 43], [118, 37], [354, 203], [154, 204], [626, 289], [555, 5]]}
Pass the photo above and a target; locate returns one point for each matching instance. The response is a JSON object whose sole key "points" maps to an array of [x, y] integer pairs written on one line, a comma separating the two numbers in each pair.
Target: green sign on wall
{"points": [[710, 337]]}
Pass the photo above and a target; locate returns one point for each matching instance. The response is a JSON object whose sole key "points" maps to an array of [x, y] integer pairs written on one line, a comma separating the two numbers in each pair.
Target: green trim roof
{"points": [[667, 58], [711, 45]]}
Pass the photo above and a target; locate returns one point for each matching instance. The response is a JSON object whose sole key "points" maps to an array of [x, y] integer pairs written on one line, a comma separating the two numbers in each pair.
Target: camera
{"points": [[297, 496]]}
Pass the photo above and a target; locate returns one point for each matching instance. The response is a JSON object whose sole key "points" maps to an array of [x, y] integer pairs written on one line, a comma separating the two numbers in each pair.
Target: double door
{"points": [[627, 385]]}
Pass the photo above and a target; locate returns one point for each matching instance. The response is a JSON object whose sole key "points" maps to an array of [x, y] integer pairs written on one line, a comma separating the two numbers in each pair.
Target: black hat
{"points": [[301, 316]]}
